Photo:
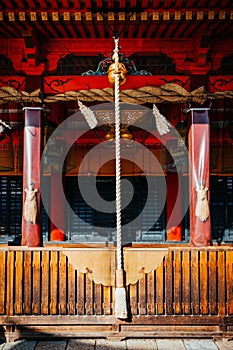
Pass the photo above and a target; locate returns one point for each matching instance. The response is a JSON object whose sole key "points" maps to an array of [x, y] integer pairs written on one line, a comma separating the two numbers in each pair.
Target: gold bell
{"points": [[121, 71], [126, 134], [110, 135]]}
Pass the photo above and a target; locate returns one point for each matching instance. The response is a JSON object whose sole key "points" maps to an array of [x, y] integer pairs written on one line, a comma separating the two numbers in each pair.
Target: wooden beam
{"points": [[41, 27], [20, 4], [15, 29], [133, 3], [43, 4], [190, 3], [75, 29], [131, 29], [8, 4], [172, 30], [88, 4], [62, 29], [162, 26], [201, 3], [167, 4], [81, 30], [213, 4], [65, 4], [53, 32], [76, 4], [144, 4], [89, 28], [141, 29], [54, 4], [71, 29], [178, 4], [181, 29], [31, 4], [169, 24], [5, 33], [100, 28], [193, 28]]}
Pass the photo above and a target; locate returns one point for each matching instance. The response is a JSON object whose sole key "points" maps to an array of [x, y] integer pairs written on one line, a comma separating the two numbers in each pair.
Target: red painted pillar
{"points": [[174, 231], [57, 209], [31, 235], [199, 140]]}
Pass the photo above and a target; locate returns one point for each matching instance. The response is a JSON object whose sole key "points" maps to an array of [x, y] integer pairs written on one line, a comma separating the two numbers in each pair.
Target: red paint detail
{"points": [[16, 82], [61, 84], [220, 83]]}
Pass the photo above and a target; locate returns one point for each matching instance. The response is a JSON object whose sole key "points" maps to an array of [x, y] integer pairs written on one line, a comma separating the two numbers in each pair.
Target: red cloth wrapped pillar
{"points": [[199, 140], [31, 235]]}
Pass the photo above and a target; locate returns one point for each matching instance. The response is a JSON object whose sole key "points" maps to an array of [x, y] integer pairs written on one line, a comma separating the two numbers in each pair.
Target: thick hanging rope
{"points": [[120, 292], [168, 92]]}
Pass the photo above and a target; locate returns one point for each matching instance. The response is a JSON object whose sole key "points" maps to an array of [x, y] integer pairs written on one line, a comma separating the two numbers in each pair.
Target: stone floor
{"points": [[130, 344]]}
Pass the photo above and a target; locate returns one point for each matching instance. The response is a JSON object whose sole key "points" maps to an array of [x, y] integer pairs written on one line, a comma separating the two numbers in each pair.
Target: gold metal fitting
{"points": [[121, 71]]}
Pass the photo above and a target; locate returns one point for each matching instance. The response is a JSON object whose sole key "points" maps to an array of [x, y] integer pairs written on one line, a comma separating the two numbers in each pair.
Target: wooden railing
{"points": [[189, 285]]}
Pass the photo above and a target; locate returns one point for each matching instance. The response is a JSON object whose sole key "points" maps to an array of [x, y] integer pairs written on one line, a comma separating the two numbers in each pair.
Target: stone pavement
{"points": [[130, 344]]}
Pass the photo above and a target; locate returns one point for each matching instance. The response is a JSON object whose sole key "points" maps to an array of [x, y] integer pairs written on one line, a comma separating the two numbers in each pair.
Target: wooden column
{"points": [[200, 229], [57, 209], [174, 232], [31, 235]]}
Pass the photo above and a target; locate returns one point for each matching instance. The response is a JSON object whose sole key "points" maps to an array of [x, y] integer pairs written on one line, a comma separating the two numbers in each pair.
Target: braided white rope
{"points": [[118, 156], [120, 292], [118, 172]]}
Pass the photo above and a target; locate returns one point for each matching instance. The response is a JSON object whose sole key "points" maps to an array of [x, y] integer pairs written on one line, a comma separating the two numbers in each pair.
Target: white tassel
{"points": [[120, 303], [88, 114], [162, 125], [3, 126]]}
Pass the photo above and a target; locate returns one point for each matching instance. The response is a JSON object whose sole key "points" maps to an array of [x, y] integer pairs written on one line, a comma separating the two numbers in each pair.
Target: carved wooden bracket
{"points": [[100, 264]]}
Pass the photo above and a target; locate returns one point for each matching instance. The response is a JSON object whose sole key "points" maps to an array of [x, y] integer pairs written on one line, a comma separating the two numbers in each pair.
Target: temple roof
{"points": [[102, 19]]}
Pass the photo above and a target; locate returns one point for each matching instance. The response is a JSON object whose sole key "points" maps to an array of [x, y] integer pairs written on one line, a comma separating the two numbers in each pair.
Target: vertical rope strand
{"points": [[118, 171], [120, 292]]}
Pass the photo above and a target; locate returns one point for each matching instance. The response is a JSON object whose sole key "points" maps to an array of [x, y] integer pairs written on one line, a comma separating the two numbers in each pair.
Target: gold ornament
{"points": [[121, 71]]}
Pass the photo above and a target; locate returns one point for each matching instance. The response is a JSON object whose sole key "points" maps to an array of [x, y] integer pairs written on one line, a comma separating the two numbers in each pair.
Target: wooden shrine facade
{"points": [[57, 276]]}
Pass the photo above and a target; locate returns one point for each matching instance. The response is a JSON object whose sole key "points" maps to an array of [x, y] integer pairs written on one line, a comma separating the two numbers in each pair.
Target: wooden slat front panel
{"points": [[229, 279], [187, 282], [3, 282], [10, 263], [18, 283], [221, 283], [63, 277], [213, 283], [204, 284], [169, 279], [45, 283], [27, 291], [195, 282], [159, 289], [36, 283]]}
